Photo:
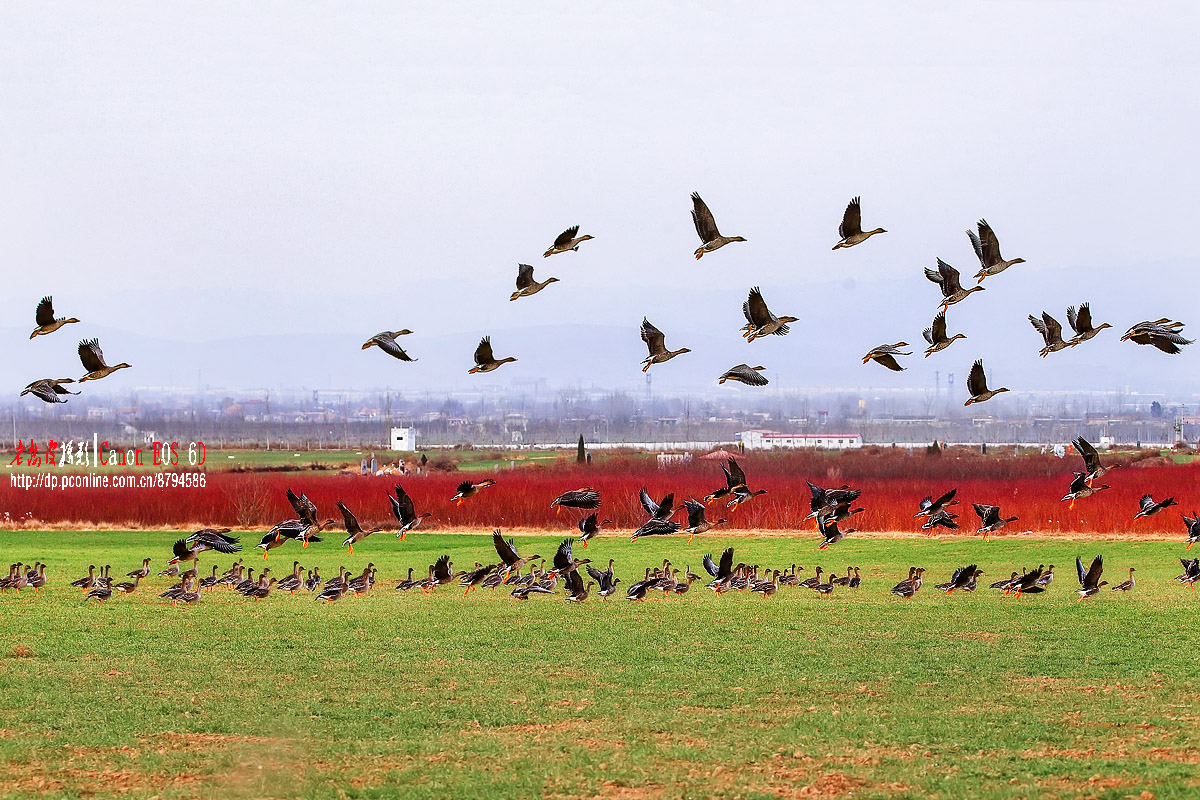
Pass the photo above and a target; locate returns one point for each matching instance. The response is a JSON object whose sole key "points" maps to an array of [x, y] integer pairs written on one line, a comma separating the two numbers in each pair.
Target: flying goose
{"points": [[656, 344], [990, 519], [987, 248], [386, 341], [526, 285], [485, 361], [850, 231], [885, 354], [92, 358], [743, 373], [357, 534], [1162, 334], [1051, 332], [1089, 582], [44, 316], [567, 240], [977, 385], [405, 512], [706, 227], [947, 279], [1081, 322], [49, 390], [935, 334], [759, 319]]}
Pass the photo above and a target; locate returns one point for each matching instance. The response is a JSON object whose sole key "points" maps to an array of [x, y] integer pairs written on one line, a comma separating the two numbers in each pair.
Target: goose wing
{"points": [[91, 356], [755, 309], [652, 508], [483, 353], [653, 337], [1092, 579], [949, 278], [562, 557], [524, 276], [1091, 458], [402, 505], [45, 311], [348, 519], [989, 245], [567, 236], [987, 514], [505, 549], [706, 226], [851, 220], [977, 380], [441, 568], [695, 512], [735, 475], [1053, 328], [726, 565], [710, 567], [388, 344], [938, 329]]}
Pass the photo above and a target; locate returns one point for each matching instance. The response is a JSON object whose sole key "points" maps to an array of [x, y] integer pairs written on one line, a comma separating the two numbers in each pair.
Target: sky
{"points": [[199, 181]]}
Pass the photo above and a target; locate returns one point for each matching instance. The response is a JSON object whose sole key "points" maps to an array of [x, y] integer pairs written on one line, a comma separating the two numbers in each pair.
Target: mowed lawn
{"points": [[411, 696]]}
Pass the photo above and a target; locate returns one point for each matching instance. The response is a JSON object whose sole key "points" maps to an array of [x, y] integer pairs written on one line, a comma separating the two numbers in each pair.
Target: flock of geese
{"points": [[526, 575], [1163, 334]]}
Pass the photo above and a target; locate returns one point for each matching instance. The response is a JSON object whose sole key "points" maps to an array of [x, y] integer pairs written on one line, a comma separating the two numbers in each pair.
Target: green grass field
{"points": [[413, 696]]}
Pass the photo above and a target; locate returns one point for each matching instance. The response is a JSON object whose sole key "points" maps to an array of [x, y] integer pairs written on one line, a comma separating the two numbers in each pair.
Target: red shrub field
{"points": [[893, 482]]}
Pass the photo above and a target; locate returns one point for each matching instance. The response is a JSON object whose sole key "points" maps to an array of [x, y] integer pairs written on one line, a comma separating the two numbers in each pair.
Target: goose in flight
{"points": [[656, 343], [936, 336], [386, 341], [706, 228], [1162, 334], [850, 231], [743, 373], [885, 354], [1080, 321], [759, 319], [987, 248], [1051, 332], [485, 361], [46, 322], [947, 279], [526, 285], [567, 240], [49, 390], [92, 358], [977, 385]]}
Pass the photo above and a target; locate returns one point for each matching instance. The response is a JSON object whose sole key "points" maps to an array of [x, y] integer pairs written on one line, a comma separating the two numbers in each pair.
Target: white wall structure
{"points": [[404, 439], [770, 440]]}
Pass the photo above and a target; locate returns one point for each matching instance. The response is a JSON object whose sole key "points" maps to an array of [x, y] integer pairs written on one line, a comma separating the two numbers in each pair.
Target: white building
{"points": [[404, 439], [770, 440]]}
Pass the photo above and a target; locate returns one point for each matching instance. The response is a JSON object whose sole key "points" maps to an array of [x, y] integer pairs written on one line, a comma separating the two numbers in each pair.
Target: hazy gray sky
{"points": [[208, 170]]}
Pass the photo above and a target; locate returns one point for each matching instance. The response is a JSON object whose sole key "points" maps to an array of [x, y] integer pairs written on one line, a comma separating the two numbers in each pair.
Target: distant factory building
{"points": [[770, 440]]}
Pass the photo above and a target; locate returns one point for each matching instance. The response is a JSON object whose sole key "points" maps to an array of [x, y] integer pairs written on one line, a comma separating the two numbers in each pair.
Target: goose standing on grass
{"points": [[526, 285], [885, 354], [142, 572], [386, 341], [656, 343], [759, 319], [1089, 581], [485, 361], [977, 385], [1162, 334], [405, 512], [908, 588], [585, 499], [356, 531], [987, 248], [706, 228], [1149, 508], [577, 591], [567, 240], [743, 373], [89, 580], [850, 232], [1081, 322], [44, 317], [1125, 586], [589, 528], [935, 334], [49, 390], [1093, 466], [697, 523], [1080, 489], [605, 579], [1193, 529], [467, 489], [990, 519], [947, 279], [1051, 332], [92, 358]]}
